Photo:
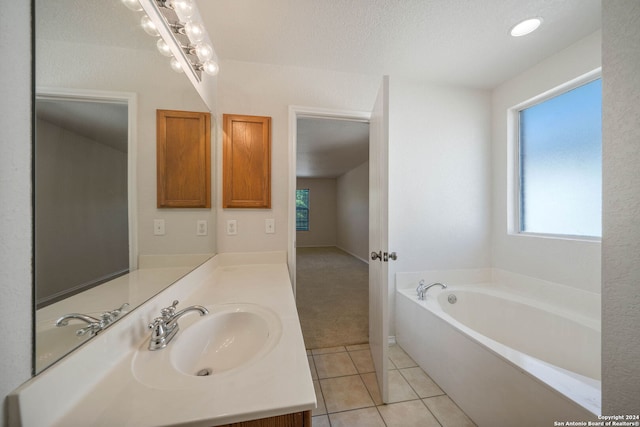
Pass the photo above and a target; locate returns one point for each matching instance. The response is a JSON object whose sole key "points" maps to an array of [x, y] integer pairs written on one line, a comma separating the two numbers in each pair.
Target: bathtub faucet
{"points": [[422, 288]]}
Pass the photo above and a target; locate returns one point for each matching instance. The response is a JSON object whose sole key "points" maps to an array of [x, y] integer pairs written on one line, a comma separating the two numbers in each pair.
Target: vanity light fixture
{"points": [[204, 51], [175, 65], [210, 67], [194, 31], [133, 5], [182, 30], [164, 48], [148, 26], [185, 7], [525, 27]]}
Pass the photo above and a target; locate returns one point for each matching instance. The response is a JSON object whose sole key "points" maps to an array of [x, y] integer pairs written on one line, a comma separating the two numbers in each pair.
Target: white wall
{"points": [[439, 178], [269, 90], [570, 262], [353, 212], [81, 196], [15, 197], [322, 213], [158, 87], [621, 208]]}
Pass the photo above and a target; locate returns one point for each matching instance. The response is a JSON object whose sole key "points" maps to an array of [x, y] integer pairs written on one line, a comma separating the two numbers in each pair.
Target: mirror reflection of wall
{"points": [[93, 46], [81, 205]]}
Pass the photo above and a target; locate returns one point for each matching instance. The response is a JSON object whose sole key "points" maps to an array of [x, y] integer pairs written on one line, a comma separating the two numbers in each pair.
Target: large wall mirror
{"points": [[99, 81]]}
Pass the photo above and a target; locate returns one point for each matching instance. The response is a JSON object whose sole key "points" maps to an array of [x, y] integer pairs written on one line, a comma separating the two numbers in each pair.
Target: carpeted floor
{"points": [[332, 295]]}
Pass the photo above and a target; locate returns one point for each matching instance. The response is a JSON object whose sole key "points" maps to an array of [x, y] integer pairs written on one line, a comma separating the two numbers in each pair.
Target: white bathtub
{"points": [[505, 358]]}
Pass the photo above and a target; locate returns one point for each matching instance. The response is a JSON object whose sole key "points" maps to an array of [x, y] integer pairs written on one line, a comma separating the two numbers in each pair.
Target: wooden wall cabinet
{"points": [[297, 419], [246, 162], [183, 159]]}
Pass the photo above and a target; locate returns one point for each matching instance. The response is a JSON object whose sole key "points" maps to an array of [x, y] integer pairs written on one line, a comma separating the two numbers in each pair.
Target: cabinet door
{"points": [[184, 159], [296, 419], [246, 162]]}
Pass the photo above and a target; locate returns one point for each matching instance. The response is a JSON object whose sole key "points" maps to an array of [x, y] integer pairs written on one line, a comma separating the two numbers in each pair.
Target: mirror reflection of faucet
{"points": [[94, 325], [422, 289], [166, 327]]}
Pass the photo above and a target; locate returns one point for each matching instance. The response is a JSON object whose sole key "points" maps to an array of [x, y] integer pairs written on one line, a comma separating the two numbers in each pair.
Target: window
{"points": [[560, 163], [302, 210]]}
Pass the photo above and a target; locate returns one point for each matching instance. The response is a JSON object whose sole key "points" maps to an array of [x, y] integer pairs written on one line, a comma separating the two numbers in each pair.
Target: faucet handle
{"points": [[169, 311], [157, 321], [158, 326]]}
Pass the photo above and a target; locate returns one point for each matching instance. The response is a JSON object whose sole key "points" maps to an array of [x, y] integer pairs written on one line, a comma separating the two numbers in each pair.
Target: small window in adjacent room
{"points": [[560, 163], [302, 210]]}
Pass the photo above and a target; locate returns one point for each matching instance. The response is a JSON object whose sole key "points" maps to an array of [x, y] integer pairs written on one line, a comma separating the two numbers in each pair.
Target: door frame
{"points": [[297, 112]]}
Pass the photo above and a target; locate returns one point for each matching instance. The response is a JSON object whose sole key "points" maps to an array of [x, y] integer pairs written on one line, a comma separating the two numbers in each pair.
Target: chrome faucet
{"points": [[422, 288], [166, 327], [94, 325]]}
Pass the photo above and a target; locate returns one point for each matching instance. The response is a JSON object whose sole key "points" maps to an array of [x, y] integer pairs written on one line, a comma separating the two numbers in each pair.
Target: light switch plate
{"points": [[158, 227], [270, 226], [232, 227], [201, 229]]}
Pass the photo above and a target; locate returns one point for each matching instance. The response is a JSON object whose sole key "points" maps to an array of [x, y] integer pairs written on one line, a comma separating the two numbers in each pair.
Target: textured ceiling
{"points": [[328, 148], [463, 42], [97, 22], [460, 42], [106, 123]]}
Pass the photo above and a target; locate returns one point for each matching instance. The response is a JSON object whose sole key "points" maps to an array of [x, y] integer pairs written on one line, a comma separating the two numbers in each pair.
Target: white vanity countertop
{"points": [[276, 384]]}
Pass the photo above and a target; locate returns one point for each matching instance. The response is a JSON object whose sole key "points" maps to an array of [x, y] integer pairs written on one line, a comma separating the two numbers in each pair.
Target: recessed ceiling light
{"points": [[525, 27]]}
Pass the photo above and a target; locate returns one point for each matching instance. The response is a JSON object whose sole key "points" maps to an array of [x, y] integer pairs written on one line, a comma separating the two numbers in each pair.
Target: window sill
{"points": [[587, 239]]}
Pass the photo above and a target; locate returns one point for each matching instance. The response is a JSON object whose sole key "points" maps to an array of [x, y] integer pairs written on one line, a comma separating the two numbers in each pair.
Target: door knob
{"points": [[376, 255]]}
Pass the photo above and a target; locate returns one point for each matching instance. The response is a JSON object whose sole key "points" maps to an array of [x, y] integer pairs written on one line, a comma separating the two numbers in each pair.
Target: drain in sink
{"points": [[204, 372]]}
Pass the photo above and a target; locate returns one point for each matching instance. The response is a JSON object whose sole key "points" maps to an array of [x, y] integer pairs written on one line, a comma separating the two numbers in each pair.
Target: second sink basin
{"points": [[230, 337]]}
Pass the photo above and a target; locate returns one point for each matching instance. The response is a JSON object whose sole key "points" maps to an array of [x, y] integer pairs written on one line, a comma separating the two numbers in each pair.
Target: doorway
{"points": [[329, 241], [84, 190]]}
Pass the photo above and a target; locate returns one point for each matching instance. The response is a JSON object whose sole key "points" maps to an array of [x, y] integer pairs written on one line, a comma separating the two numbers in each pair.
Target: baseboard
{"points": [[366, 261], [392, 340]]}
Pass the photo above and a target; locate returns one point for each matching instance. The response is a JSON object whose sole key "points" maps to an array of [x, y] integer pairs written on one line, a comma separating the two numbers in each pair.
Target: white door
{"points": [[378, 235]]}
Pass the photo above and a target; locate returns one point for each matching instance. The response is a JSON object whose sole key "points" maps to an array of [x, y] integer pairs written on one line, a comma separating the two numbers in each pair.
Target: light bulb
{"points": [[176, 66], [132, 4], [194, 31], [204, 51], [148, 26], [211, 68], [184, 8], [163, 47]]}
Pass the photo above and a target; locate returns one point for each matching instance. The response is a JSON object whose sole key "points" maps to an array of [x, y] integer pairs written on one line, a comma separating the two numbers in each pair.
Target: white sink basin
{"points": [[230, 337], [219, 342]]}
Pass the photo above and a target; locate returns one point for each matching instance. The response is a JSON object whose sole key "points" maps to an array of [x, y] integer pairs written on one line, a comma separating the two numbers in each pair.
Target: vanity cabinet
{"points": [[296, 419], [246, 162], [183, 159]]}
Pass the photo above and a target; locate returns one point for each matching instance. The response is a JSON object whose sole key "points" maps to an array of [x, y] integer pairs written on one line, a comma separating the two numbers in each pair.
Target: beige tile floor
{"points": [[348, 396]]}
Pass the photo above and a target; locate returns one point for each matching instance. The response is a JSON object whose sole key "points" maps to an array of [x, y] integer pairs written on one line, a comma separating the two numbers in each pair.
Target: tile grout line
{"points": [[413, 388], [369, 391], [437, 395], [416, 392], [360, 375], [324, 402]]}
